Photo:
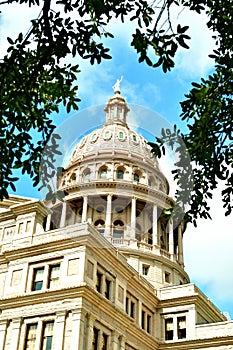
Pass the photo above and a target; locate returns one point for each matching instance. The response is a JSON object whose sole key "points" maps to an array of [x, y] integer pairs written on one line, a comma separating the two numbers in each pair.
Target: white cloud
{"points": [[208, 252], [15, 18], [195, 62]]}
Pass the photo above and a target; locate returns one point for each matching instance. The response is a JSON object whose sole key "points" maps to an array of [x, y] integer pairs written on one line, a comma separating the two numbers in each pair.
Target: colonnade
{"points": [[177, 252]]}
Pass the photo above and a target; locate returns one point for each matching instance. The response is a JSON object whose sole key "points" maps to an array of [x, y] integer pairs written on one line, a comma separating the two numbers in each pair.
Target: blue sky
{"points": [[208, 256]]}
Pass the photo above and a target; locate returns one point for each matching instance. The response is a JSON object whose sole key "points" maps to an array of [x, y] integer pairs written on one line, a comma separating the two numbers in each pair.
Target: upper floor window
{"points": [[43, 334], [104, 282], [47, 335], [45, 277], [120, 174], [87, 175], [54, 275], [145, 269], [103, 173], [130, 305], [175, 328], [169, 329], [30, 338], [20, 229], [38, 276], [136, 177], [181, 327], [100, 340]]}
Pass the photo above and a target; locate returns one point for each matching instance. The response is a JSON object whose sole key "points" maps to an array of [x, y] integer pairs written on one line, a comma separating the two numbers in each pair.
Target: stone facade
{"points": [[104, 269]]}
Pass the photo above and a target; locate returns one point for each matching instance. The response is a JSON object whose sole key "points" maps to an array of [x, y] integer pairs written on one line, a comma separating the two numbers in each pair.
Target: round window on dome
{"points": [[134, 138], [107, 135], [121, 135], [83, 142], [94, 137]]}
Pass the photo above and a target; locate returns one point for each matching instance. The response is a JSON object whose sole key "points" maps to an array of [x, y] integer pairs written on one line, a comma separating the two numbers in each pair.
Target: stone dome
{"points": [[114, 183], [115, 140]]}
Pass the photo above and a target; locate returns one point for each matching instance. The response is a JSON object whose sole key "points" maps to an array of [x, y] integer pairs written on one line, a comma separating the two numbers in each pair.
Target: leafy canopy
{"points": [[35, 82]]}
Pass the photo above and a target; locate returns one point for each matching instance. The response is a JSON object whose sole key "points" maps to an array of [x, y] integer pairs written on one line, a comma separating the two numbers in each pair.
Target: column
{"points": [[48, 223], [77, 334], [180, 245], [84, 213], [59, 330], [89, 333], [139, 313], [154, 225], [63, 214], [108, 215], [122, 343], [99, 340], [171, 237], [3, 329], [114, 340], [15, 334], [133, 218]]}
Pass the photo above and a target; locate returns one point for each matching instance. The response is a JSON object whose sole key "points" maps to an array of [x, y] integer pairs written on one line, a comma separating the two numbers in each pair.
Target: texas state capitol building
{"points": [[103, 270]]}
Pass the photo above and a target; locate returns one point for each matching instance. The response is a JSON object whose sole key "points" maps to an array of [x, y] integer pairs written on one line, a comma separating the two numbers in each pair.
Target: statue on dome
{"points": [[116, 86]]}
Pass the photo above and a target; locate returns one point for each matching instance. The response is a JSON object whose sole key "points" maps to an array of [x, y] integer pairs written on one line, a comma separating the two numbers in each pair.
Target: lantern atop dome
{"points": [[116, 108]]}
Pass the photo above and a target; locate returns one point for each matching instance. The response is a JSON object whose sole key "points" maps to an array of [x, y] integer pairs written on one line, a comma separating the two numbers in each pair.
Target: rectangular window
{"points": [[181, 327], [99, 277], [127, 305], [104, 345], [169, 327], [20, 230], [95, 339], [38, 275], [107, 288], [132, 309], [30, 338], [148, 328], [54, 275], [167, 277], [28, 226], [145, 270], [143, 319], [47, 335]]}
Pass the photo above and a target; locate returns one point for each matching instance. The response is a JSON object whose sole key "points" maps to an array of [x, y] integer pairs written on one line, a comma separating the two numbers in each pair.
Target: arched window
{"points": [[103, 173], [86, 175], [99, 222], [136, 177], [73, 177], [120, 174], [118, 223], [151, 181]]}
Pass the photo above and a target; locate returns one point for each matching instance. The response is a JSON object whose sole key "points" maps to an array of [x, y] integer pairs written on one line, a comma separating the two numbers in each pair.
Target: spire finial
{"points": [[116, 86]]}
